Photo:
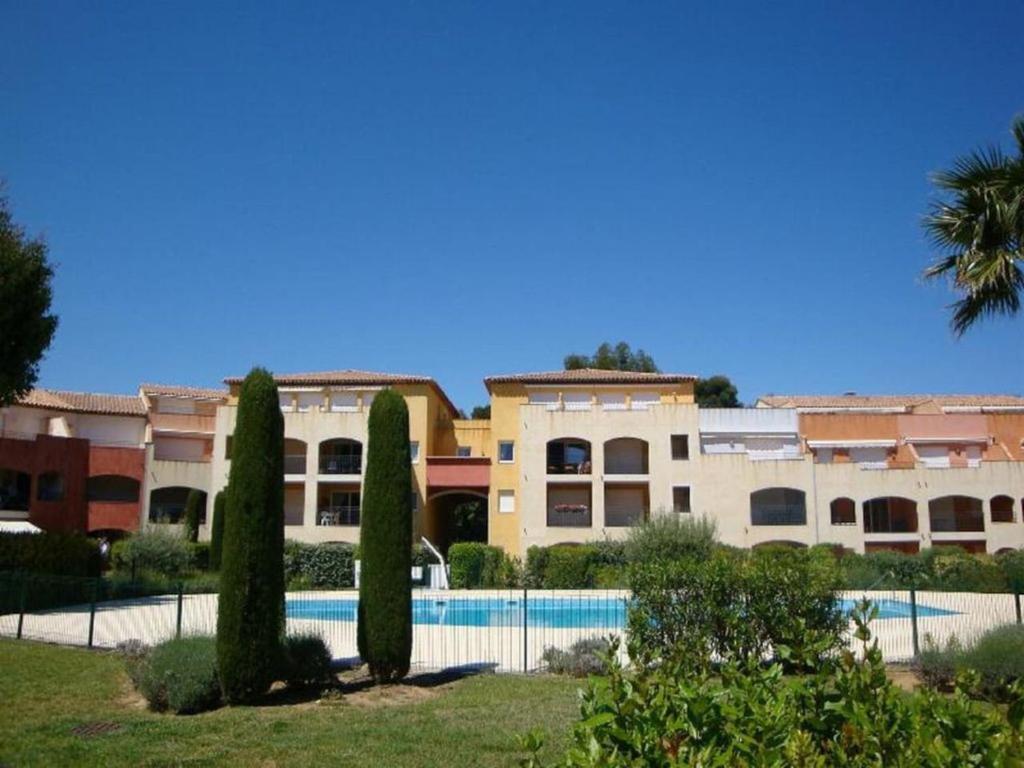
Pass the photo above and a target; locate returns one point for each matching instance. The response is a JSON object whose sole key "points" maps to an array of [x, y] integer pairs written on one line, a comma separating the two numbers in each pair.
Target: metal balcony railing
{"points": [[344, 515], [569, 516], [341, 465], [295, 464]]}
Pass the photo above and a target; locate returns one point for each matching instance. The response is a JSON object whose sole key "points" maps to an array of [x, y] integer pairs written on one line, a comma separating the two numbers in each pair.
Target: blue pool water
{"points": [[599, 612]]}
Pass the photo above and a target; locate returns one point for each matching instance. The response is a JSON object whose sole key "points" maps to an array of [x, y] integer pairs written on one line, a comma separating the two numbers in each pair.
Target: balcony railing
{"points": [[341, 465], [570, 468], [623, 518], [295, 464], [345, 515], [569, 516]]}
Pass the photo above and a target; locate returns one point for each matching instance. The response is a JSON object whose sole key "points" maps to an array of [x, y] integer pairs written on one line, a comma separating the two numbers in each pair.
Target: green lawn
{"points": [[47, 691]]}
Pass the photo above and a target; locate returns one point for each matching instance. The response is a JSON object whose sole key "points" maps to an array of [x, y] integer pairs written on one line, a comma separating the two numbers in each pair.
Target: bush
{"points": [[217, 530], [536, 565], [250, 615], [330, 565], [476, 565], [937, 665], [179, 675], [671, 537], [584, 657], [194, 503], [200, 555], [306, 661], [996, 659], [384, 627], [153, 550], [62, 554], [569, 566]]}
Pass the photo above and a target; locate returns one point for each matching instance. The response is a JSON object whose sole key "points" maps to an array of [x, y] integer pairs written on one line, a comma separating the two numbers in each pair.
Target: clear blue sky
{"points": [[468, 189]]}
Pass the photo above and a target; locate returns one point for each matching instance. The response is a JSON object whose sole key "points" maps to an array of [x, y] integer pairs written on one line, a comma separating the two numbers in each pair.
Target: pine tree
{"points": [[250, 616], [385, 588]]}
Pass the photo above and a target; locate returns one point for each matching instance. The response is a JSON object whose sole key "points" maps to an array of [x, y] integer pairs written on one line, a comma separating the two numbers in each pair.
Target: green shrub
{"points": [[194, 503], [200, 555], [996, 659], [937, 665], [250, 616], [953, 569], [569, 566], [154, 550], [62, 554], [585, 657], [329, 565], [119, 585], [217, 530], [1012, 566], [476, 565], [671, 537], [845, 712], [306, 661], [179, 675], [384, 627], [536, 565]]}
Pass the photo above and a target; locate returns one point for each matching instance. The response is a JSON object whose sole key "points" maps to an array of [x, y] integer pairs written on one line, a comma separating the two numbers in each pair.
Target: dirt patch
{"points": [[357, 688], [902, 676], [129, 697]]}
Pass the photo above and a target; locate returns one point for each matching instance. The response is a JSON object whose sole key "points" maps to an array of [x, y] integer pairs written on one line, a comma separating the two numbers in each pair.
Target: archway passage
{"points": [[167, 505], [458, 516]]}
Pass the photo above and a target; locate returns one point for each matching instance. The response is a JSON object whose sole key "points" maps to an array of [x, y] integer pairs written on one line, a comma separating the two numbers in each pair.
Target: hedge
{"points": [[474, 564], [328, 565], [61, 554]]}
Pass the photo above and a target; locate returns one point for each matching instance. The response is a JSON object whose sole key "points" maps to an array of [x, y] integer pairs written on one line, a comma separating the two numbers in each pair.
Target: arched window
{"points": [[1002, 509], [890, 514], [959, 514], [778, 506], [568, 456], [341, 456], [167, 505], [50, 487], [779, 544], [112, 488], [844, 511], [625, 456], [14, 490], [294, 457]]}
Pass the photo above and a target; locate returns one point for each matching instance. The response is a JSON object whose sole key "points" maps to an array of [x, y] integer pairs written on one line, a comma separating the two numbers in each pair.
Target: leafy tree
{"points": [[193, 511], [979, 231], [716, 392], [608, 358], [385, 586], [217, 530], [250, 617], [26, 324], [481, 412]]}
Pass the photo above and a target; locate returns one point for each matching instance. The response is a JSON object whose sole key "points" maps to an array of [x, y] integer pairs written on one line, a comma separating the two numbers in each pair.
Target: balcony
{"points": [[183, 423], [569, 506], [295, 464], [346, 515], [451, 473], [568, 457], [341, 456]]}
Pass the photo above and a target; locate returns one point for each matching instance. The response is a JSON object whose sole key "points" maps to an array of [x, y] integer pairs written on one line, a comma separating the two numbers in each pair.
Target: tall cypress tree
{"points": [[217, 530], [193, 505], [250, 616], [385, 584]]}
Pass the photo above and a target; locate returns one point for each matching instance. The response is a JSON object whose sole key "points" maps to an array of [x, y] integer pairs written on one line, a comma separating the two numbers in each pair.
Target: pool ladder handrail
{"points": [[444, 568]]}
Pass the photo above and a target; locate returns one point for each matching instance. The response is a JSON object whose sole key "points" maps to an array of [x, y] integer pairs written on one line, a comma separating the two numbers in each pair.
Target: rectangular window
{"points": [[506, 502], [506, 451], [463, 451], [414, 451], [681, 498], [680, 447], [344, 402], [287, 403]]}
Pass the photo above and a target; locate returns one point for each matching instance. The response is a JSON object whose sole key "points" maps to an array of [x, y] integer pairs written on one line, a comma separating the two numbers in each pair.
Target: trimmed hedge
{"points": [[61, 554], [306, 661], [474, 564], [179, 675], [154, 550], [939, 568], [329, 565]]}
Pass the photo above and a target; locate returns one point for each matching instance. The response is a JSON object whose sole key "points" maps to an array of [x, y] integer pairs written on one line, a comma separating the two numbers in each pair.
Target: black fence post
{"points": [[181, 589], [21, 603], [92, 610], [525, 652], [1016, 602], [913, 622]]}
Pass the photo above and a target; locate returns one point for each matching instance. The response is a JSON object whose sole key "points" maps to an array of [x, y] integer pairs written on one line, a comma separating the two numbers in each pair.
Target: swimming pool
{"points": [[595, 612]]}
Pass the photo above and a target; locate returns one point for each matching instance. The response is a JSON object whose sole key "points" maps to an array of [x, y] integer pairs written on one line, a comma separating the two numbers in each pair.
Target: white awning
{"points": [[18, 526], [851, 443]]}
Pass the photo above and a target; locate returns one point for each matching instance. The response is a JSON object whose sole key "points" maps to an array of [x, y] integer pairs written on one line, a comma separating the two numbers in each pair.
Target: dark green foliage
{"points": [[64, 554], [716, 392], [584, 657], [481, 412], [734, 606], [671, 537], [569, 567], [217, 530], [469, 521], [385, 589], [1012, 565], [940, 568], [306, 660], [179, 675], [993, 663], [193, 507], [845, 711], [319, 566], [153, 550], [477, 565], [608, 358], [200, 555], [250, 617], [26, 324]]}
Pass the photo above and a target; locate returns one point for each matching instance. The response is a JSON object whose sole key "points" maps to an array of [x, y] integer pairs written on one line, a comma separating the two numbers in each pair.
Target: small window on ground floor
{"points": [[506, 502], [681, 498]]}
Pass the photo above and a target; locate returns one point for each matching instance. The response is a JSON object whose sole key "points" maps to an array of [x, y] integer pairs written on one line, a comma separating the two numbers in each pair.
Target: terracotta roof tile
{"points": [[891, 401], [590, 376], [192, 393], [85, 402]]}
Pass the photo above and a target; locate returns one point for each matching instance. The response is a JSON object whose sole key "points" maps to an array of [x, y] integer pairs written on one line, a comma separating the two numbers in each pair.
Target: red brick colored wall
{"points": [[69, 457], [129, 462]]}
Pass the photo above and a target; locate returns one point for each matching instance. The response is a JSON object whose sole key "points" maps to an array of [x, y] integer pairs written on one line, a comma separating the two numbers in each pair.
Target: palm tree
{"points": [[980, 230]]}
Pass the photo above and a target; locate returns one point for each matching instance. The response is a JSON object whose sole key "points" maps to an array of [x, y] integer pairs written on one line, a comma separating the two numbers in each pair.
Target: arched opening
{"points": [[50, 486], [625, 456], [780, 543], [294, 456], [341, 456], [844, 511], [459, 516], [1005, 550], [569, 456], [956, 514], [778, 506], [117, 489], [167, 505], [15, 490], [890, 514], [1002, 509]]}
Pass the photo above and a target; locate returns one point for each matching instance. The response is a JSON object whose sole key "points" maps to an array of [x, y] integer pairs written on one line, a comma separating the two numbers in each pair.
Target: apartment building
{"points": [[566, 457]]}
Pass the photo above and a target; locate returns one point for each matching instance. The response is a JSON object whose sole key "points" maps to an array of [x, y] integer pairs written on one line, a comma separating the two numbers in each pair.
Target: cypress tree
{"points": [[217, 530], [191, 518], [250, 615], [385, 586]]}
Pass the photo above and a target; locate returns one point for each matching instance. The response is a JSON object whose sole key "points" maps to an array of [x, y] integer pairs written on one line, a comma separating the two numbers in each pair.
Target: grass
{"points": [[47, 691]]}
